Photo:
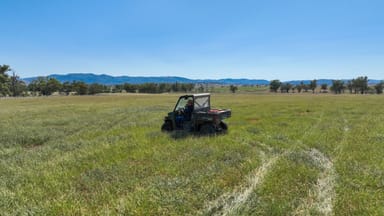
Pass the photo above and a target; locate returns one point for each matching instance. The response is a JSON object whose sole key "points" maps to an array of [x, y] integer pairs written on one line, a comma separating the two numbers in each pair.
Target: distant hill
{"points": [[115, 80], [104, 79]]}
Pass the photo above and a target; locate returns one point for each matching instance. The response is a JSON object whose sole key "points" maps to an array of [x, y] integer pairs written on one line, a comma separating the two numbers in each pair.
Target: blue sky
{"points": [[259, 39]]}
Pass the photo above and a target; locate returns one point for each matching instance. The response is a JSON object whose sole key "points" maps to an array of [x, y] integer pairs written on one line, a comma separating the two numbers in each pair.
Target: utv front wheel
{"points": [[166, 127], [207, 129]]}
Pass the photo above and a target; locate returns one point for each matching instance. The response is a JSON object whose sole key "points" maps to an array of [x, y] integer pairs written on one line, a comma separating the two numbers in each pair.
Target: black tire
{"points": [[167, 126], [223, 127], [207, 129]]}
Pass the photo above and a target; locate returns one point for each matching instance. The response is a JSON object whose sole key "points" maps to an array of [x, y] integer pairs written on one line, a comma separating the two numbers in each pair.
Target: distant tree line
{"points": [[286, 87], [155, 87], [49, 85], [12, 85], [358, 85]]}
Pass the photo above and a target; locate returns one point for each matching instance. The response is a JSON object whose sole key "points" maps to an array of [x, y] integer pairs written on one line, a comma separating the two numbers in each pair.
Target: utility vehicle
{"points": [[194, 113]]}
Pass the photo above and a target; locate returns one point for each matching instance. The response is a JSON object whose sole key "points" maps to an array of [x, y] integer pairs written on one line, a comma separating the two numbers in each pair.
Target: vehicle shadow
{"points": [[182, 134]]}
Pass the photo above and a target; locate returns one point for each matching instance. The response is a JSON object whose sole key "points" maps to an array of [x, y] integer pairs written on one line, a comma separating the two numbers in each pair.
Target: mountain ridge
{"points": [[105, 79]]}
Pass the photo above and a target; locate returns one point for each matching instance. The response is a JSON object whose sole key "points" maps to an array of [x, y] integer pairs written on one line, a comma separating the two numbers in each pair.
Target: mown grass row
{"points": [[106, 155]]}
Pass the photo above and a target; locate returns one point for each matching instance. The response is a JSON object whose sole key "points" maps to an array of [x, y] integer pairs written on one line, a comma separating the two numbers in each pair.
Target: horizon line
{"points": [[159, 76]]}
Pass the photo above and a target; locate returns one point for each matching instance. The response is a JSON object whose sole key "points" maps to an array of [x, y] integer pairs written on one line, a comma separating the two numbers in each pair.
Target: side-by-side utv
{"points": [[194, 113]]}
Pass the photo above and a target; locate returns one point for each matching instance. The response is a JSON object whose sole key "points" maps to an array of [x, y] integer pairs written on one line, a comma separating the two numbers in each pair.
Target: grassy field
{"points": [[283, 155]]}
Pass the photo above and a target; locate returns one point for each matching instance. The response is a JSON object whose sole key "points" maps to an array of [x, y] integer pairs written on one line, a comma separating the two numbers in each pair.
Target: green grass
{"points": [[106, 155]]}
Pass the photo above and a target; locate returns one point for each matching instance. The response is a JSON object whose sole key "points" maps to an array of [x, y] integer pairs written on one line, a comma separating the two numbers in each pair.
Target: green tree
{"points": [[17, 86], [44, 86], [189, 86], [274, 85], [324, 87], [66, 87], [4, 69], [130, 87], [300, 87], [38, 85], [200, 88], [53, 85], [337, 86], [4, 80], [233, 88], [350, 85], [186, 87], [379, 87], [164, 87], [148, 88], [285, 87], [313, 85], [33, 88], [81, 88], [95, 88], [175, 87], [360, 84]]}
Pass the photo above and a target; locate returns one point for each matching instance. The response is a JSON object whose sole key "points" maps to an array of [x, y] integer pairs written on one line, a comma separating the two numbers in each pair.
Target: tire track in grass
{"points": [[312, 127], [324, 193], [321, 197], [346, 129], [229, 202], [325, 184]]}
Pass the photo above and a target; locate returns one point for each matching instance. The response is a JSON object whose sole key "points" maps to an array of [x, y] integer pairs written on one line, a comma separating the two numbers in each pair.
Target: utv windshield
{"points": [[182, 103]]}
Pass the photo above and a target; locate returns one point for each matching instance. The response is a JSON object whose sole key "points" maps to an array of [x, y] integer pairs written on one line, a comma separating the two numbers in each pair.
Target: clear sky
{"points": [[256, 39]]}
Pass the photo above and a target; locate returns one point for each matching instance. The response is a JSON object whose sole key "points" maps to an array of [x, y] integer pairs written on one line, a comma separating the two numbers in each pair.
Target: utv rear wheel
{"points": [[167, 127], [207, 129]]}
